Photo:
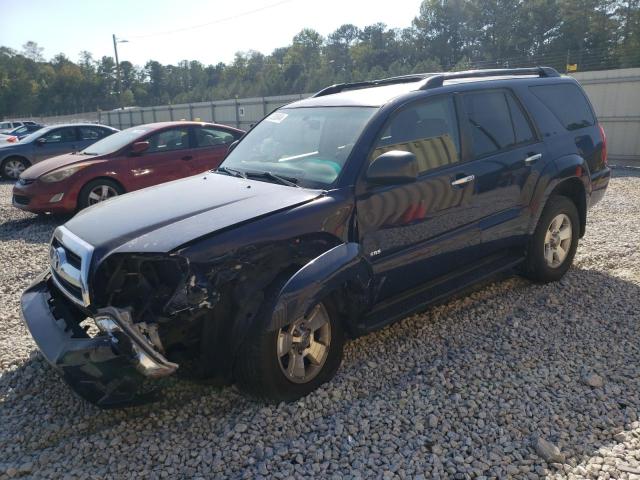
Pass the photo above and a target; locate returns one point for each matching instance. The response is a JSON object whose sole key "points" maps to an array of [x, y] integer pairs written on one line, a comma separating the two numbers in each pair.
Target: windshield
{"points": [[116, 141], [308, 146]]}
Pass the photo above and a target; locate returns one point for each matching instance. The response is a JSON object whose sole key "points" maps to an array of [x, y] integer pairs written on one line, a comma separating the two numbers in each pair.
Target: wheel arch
{"points": [[93, 179], [567, 176]]}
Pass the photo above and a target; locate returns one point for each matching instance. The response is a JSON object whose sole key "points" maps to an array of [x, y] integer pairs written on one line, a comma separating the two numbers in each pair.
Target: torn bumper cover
{"points": [[108, 369]]}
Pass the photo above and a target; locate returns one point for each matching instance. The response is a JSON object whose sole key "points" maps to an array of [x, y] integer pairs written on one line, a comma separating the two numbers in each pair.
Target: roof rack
{"points": [[437, 80], [339, 87], [434, 80]]}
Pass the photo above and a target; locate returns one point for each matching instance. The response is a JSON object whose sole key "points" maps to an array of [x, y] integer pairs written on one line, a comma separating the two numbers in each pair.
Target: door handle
{"points": [[463, 180], [187, 157], [532, 158]]}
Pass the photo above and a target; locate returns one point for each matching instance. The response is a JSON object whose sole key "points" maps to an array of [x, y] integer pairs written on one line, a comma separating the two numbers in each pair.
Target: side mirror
{"points": [[394, 167], [139, 147], [41, 141]]}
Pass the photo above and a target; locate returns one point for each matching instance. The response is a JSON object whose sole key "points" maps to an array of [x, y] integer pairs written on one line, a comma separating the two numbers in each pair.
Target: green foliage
{"points": [[445, 35]]}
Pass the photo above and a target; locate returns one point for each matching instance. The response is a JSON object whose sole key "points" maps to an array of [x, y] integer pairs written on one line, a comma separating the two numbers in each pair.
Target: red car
{"points": [[134, 158]]}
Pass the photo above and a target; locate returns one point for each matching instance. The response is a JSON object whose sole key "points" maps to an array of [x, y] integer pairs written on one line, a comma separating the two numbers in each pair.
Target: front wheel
{"points": [[292, 361], [98, 191], [554, 242], [12, 167]]}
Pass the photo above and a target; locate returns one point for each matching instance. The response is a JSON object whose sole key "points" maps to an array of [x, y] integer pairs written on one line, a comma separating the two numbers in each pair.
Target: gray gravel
{"points": [[514, 381]]}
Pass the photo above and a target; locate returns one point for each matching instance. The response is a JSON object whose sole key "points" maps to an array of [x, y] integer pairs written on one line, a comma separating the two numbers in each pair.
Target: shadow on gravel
{"points": [[33, 229], [494, 369]]}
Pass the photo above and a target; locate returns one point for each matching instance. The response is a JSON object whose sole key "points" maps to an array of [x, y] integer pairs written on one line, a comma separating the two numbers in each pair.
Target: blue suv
{"points": [[332, 217]]}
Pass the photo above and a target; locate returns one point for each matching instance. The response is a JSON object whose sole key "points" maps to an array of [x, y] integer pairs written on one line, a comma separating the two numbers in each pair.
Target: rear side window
{"points": [[429, 130], [496, 122], [209, 137], [91, 133], [567, 103]]}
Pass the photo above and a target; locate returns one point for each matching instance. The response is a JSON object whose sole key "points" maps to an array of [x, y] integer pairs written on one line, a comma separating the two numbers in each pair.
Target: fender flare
{"points": [[325, 274], [566, 168]]}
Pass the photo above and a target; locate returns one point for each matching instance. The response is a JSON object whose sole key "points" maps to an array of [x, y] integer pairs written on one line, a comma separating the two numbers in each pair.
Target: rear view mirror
{"points": [[139, 147], [394, 167], [41, 141]]}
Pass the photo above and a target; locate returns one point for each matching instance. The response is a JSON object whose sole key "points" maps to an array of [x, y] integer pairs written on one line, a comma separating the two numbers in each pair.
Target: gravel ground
{"points": [[514, 381]]}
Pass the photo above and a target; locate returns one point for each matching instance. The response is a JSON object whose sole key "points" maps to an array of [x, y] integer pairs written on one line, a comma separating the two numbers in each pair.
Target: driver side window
{"points": [[429, 130], [60, 135]]}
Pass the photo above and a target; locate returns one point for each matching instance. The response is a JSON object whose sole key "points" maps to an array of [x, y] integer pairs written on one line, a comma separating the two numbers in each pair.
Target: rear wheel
{"points": [[98, 191], [12, 167], [292, 361], [554, 242]]}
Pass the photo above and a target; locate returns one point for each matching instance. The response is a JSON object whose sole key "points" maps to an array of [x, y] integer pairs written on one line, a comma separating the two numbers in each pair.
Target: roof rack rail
{"points": [[339, 87], [437, 80]]}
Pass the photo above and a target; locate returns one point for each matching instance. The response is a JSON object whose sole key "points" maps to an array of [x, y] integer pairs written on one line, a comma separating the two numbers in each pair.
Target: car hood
{"points": [[53, 163], [164, 217]]}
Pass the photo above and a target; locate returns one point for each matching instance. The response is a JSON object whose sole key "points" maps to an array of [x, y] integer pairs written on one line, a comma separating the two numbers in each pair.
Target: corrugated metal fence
{"points": [[615, 95], [241, 113]]}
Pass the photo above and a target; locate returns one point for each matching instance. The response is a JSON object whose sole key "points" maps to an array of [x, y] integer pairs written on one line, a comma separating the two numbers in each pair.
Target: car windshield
{"points": [[308, 146], [116, 141]]}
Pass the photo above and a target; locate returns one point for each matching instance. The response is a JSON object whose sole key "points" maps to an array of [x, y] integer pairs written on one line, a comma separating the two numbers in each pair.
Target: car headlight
{"points": [[61, 174]]}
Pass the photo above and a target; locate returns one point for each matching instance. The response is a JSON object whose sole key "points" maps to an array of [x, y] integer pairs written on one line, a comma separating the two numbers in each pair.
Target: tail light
{"points": [[12, 139], [603, 136]]}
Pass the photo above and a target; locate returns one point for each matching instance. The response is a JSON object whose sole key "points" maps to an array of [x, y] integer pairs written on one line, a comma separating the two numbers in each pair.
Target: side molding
{"points": [[343, 265]]}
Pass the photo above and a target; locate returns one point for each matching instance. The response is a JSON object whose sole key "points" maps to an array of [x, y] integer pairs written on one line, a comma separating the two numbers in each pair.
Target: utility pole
{"points": [[119, 84]]}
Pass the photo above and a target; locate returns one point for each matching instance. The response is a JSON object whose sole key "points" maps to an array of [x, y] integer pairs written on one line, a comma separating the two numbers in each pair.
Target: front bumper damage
{"points": [[109, 369]]}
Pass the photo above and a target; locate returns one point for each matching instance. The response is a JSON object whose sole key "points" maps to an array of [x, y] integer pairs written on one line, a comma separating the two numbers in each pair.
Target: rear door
{"points": [[166, 158], [210, 147], [507, 156], [56, 142], [88, 134]]}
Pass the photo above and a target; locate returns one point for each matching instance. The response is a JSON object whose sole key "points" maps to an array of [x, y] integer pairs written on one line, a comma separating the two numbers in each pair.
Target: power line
{"points": [[214, 22]]}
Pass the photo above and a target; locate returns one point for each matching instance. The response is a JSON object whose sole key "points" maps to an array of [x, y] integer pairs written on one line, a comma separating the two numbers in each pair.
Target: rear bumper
{"points": [[104, 369], [599, 184]]}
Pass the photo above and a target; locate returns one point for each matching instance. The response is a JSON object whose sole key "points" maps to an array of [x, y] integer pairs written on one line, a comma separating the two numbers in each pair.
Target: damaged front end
{"points": [[107, 366], [108, 341]]}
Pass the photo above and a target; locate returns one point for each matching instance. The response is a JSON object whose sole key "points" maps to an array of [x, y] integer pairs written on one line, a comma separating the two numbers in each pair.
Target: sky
{"points": [[168, 31]]}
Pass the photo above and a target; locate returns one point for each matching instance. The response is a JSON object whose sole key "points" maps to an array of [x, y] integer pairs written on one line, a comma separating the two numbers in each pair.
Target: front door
{"points": [[56, 142], [415, 232], [166, 158]]}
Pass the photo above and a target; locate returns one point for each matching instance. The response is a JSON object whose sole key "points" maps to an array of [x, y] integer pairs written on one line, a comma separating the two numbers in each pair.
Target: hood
{"points": [[164, 217], [53, 163]]}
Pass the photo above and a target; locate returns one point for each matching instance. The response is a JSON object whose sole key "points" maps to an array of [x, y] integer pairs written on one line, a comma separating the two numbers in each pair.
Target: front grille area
{"points": [[73, 259], [26, 181], [21, 200], [70, 258]]}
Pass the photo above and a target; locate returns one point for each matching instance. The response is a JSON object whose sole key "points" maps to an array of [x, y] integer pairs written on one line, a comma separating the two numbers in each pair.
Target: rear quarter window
{"points": [[567, 103]]}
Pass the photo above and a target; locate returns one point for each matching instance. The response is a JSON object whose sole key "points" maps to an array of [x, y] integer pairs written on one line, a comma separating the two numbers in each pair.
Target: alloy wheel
{"points": [[13, 168], [100, 193], [557, 241], [303, 346]]}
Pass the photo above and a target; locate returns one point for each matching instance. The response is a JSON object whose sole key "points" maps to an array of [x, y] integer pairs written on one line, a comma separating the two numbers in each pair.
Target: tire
{"points": [[12, 167], [550, 254], [262, 373], [87, 196]]}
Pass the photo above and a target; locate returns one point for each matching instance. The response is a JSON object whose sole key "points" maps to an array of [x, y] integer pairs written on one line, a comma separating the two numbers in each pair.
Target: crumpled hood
{"points": [[164, 217]]}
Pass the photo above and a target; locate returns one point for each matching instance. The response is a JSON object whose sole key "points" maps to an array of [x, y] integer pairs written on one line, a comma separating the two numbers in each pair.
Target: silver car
{"points": [[48, 142]]}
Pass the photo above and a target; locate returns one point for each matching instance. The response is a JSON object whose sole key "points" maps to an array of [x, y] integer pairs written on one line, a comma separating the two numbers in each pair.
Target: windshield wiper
{"points": [[289, 181], [89, 153], [231, 171]]}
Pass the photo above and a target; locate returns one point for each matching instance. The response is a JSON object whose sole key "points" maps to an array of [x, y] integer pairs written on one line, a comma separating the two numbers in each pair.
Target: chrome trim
{"points": [[463, 180], [66, 271], [532, 159]]}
